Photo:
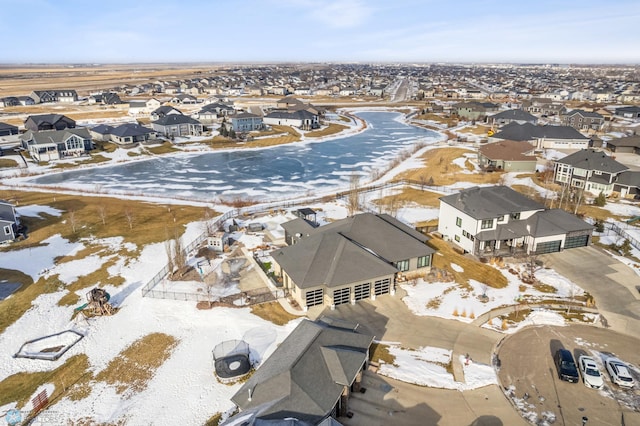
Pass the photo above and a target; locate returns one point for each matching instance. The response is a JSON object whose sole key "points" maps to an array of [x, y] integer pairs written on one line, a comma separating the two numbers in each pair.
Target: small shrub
{"points": [[504, 325], [472, 315], [464, 313], [600, 200], [455, 312]]}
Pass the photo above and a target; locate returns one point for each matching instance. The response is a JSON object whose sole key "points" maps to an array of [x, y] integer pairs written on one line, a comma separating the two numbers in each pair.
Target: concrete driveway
{"points": [[612, 284], [527, 368]]}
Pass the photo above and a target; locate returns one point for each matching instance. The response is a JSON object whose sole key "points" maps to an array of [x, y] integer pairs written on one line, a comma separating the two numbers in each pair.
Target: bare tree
{"points": [[168, 248], [129, 216], [209, 223], [353, 199], [423, 182], [579, 200], [102, 213], [179, 258], [73, 220]]}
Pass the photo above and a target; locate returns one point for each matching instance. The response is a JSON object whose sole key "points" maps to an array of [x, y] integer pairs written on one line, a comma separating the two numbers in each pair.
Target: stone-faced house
{"points": [[352, 259], [309, 377], [497, 220], [48, 122], [588, 169], [54, 145]]}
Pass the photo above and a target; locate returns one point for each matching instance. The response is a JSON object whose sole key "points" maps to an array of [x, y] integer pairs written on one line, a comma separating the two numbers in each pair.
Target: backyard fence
{"points": [[148, 290], [609, 226]]}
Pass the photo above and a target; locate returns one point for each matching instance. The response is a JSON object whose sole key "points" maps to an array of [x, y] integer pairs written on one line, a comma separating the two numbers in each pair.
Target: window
{"points": [[515, 216], [424, 261], [457, 238], [486, 224], [403, 265], [458, 221], [501, 219], [7, 230]]}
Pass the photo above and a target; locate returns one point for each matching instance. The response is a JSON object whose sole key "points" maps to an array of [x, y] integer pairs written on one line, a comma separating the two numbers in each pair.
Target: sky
{"points": [[125, 31]]}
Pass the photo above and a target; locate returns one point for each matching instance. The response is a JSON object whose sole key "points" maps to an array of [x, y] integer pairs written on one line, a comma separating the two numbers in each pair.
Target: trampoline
{"points": [[231, 360]]}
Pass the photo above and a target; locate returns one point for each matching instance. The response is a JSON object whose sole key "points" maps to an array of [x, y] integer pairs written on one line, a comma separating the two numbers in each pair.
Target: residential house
{"points": [[508, 156], [497, 220], [173, 125], [143, 107], [628, 112], [124, 134], [629, 144], [474, 110], [376, 91], [109, 98], [583, 120], [301, 119], [543, 137], [46, 96], [627, 184], [588, 169], [352, 259], [8, 129], [184, 98], [56, 144], [48, 122], [8, 222], [9, 101], [246, 122], [309, 377], [26, 100], [163, 111], [544, 107], [513, 116]]}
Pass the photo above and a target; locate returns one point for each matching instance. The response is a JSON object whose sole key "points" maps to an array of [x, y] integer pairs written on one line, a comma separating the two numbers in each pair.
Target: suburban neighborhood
{"points": [[222, 224]]}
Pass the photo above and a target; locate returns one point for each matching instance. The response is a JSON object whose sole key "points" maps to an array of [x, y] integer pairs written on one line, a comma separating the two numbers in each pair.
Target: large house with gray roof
{"points": [[352, 259], [543, 137], [627, 144], [308, 379], [48, 122], [54, 145], [124, 134], [588, 169], [59, 95], [496, 220], [513, 116], [173, 125], [301, 118]]}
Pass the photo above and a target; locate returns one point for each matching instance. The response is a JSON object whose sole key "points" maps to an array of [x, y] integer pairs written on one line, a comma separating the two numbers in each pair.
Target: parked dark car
{"points": [[567, 369]]}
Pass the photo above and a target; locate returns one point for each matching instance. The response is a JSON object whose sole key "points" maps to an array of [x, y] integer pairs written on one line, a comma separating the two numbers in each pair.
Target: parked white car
{"points": [[619, 373], [590, 373]]}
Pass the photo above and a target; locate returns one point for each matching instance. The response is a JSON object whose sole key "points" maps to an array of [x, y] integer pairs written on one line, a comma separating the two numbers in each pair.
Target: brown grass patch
{"points": [[7, 163], [380, 352], [214, 420], [545, 288], [439, 166], [411, 195], [137, 364], [164, 148], [272, 312], [89, 115], [449, 121], [93, 159], [21, 386], [332, 129], [478, 129], [472, 268]]}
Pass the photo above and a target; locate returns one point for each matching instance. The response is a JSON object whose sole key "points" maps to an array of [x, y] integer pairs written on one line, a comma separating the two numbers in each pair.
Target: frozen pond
{"points": [[268, 173]]}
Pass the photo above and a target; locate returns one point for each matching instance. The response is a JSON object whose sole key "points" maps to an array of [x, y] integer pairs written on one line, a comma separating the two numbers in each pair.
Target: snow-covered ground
{"points": [[450, 300], [427, 366]]}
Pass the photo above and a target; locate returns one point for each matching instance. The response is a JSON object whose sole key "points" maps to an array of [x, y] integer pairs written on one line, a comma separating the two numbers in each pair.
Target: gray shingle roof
{"points": [[55, 136], [515, 114], [629, 178], [490, 202], [130, 129], [590, 159], [627, 141], [350, 250], [306, 374], [528, 131], [541, 224], [173, 119], [585, 114], [300, 114]]}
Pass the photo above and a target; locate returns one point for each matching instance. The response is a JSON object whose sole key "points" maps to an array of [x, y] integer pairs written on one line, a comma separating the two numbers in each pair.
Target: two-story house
{"points": [[583, 120], [543, 137], [497, 220], [349, 260], [61, 95], [177, 125], [474, 110], [588, 169], [48, 122], [246, 122]]}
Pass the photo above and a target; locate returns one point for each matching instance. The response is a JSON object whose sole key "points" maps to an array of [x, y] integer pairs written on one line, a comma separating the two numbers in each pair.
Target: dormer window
{"points": [[515, 216]]}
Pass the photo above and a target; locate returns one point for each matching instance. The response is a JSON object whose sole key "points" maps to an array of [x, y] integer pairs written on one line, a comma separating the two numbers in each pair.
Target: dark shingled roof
{"points": [[515, 114], [130, 129], [528, 131], [306, 374], [173, 119], [490, 202], [627, 141], [629, 178], [590, 159]]}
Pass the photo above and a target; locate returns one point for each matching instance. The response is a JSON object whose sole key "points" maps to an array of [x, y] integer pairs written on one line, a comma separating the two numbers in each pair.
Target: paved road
{"points": [[611, 282]]}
